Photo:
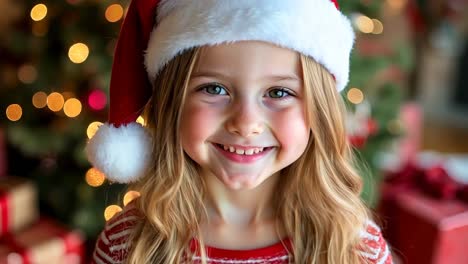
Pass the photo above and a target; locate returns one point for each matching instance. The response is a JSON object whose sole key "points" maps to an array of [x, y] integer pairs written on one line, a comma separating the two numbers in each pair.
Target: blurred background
{"points": [[407, 119]]}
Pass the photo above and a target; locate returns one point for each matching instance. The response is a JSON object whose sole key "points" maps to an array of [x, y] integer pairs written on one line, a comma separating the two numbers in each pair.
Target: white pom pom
{"points": [[123, 153]]}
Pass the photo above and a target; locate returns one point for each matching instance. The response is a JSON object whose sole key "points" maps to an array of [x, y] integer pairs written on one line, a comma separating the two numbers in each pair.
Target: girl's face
{"points": [[243, 119]]}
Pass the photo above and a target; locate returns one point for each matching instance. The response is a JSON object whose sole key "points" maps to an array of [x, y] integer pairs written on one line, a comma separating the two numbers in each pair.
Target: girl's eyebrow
{"points": [[218, 75]]}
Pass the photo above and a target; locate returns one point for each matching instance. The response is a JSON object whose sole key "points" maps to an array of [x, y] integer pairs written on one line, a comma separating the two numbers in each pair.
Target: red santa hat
{"points": [[154, 32]]}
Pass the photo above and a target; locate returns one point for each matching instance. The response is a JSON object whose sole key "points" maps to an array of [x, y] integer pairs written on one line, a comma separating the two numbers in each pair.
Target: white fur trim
{"points": [[123, 153], [313, 27]]}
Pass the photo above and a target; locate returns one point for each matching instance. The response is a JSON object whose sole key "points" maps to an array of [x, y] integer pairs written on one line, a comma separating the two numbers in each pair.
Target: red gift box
{"points": [[18, 204], [45, 242], [424, 229]]}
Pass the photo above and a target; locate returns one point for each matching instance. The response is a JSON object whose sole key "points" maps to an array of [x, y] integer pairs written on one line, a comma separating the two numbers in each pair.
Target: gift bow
{"points": [[433, 180]]}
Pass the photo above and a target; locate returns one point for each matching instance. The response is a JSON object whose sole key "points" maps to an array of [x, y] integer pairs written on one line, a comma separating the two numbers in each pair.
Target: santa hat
{"points": [[154, 32]]}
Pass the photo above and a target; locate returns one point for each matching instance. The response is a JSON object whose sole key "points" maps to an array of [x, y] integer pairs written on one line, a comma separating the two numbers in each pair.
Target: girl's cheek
{"points": [[290, 128], [199, 122]]}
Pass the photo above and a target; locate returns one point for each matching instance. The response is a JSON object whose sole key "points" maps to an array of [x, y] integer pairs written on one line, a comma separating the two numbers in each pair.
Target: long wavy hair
{"points": [[321, 211]]}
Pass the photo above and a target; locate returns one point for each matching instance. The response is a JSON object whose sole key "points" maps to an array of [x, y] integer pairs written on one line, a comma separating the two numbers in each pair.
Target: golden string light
{"points": [[364, 24], [378, 27], [14, 112], [130, 196], [114, 13], [38, 12], [140, 120], [27, 74], [78, 53], [111, 210], [39, 100], [355, 96], [55, 101], [94, 177], [92, 129], [72, 107]]}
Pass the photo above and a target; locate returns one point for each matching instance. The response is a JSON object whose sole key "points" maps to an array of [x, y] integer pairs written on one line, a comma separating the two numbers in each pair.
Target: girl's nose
{"points": [[246, 121]]}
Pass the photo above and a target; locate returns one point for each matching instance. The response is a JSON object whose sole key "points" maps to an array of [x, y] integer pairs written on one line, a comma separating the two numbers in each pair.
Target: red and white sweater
{"points": [[112, 246]]}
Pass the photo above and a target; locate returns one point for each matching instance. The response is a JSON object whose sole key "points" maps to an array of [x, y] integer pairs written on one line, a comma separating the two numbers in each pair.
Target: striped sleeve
{"points": [[112, 244], [377, 251]]}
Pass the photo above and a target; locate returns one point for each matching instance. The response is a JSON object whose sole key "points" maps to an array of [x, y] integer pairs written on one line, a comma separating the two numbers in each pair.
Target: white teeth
{"points": [[242, 151]]}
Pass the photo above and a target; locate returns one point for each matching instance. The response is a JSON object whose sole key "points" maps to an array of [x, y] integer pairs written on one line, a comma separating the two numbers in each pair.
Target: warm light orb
{"points": [[93, 128], [72, 107], [114, 13], [27, 74], [140, 120], [38, 12], [78, 53], [378, 27], [94, 177], [355, 96], [55, 101], [130, 196], [14, 112], [39, 100], [110, 211], [364, 24]]}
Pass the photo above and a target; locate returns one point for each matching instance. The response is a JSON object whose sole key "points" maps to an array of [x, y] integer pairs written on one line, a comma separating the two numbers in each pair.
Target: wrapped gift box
{"points": [[45, 242], [18, 204], [423, 229]]}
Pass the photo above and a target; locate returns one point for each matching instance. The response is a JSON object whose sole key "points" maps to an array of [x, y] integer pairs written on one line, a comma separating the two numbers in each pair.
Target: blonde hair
{"points": [[322, 212]]}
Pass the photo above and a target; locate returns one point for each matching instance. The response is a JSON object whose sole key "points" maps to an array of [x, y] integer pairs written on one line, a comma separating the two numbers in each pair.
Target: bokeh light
{"points": [[114, 13], [55, 101], [14, 112], [72, 107], [27, 73], [140, 120], [130, 196], [378, 27], [110, 211], [38, 12], [78, 52], [93, 128], [94, 177], [364, 24], [39, 100], [355, 96], [97, 100]]}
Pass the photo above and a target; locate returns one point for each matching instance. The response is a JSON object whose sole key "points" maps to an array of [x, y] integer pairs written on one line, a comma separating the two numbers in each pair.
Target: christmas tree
{"points": [[55, 68]]}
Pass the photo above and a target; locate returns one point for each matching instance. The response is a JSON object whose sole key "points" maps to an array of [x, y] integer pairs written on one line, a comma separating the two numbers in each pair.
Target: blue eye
{"points": [[279, 93], [214, 89]]}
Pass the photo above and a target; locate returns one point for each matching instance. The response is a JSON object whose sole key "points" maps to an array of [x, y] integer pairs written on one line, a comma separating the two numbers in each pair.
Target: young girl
{"points": [[244, 156]]}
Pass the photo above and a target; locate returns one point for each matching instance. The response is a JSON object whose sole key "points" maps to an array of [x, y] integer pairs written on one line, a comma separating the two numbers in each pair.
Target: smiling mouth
{"points": [[248, 155]]}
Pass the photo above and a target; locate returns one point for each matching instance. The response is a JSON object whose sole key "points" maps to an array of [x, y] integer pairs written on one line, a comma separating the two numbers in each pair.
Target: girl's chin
{"points": [[241, 182]]}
